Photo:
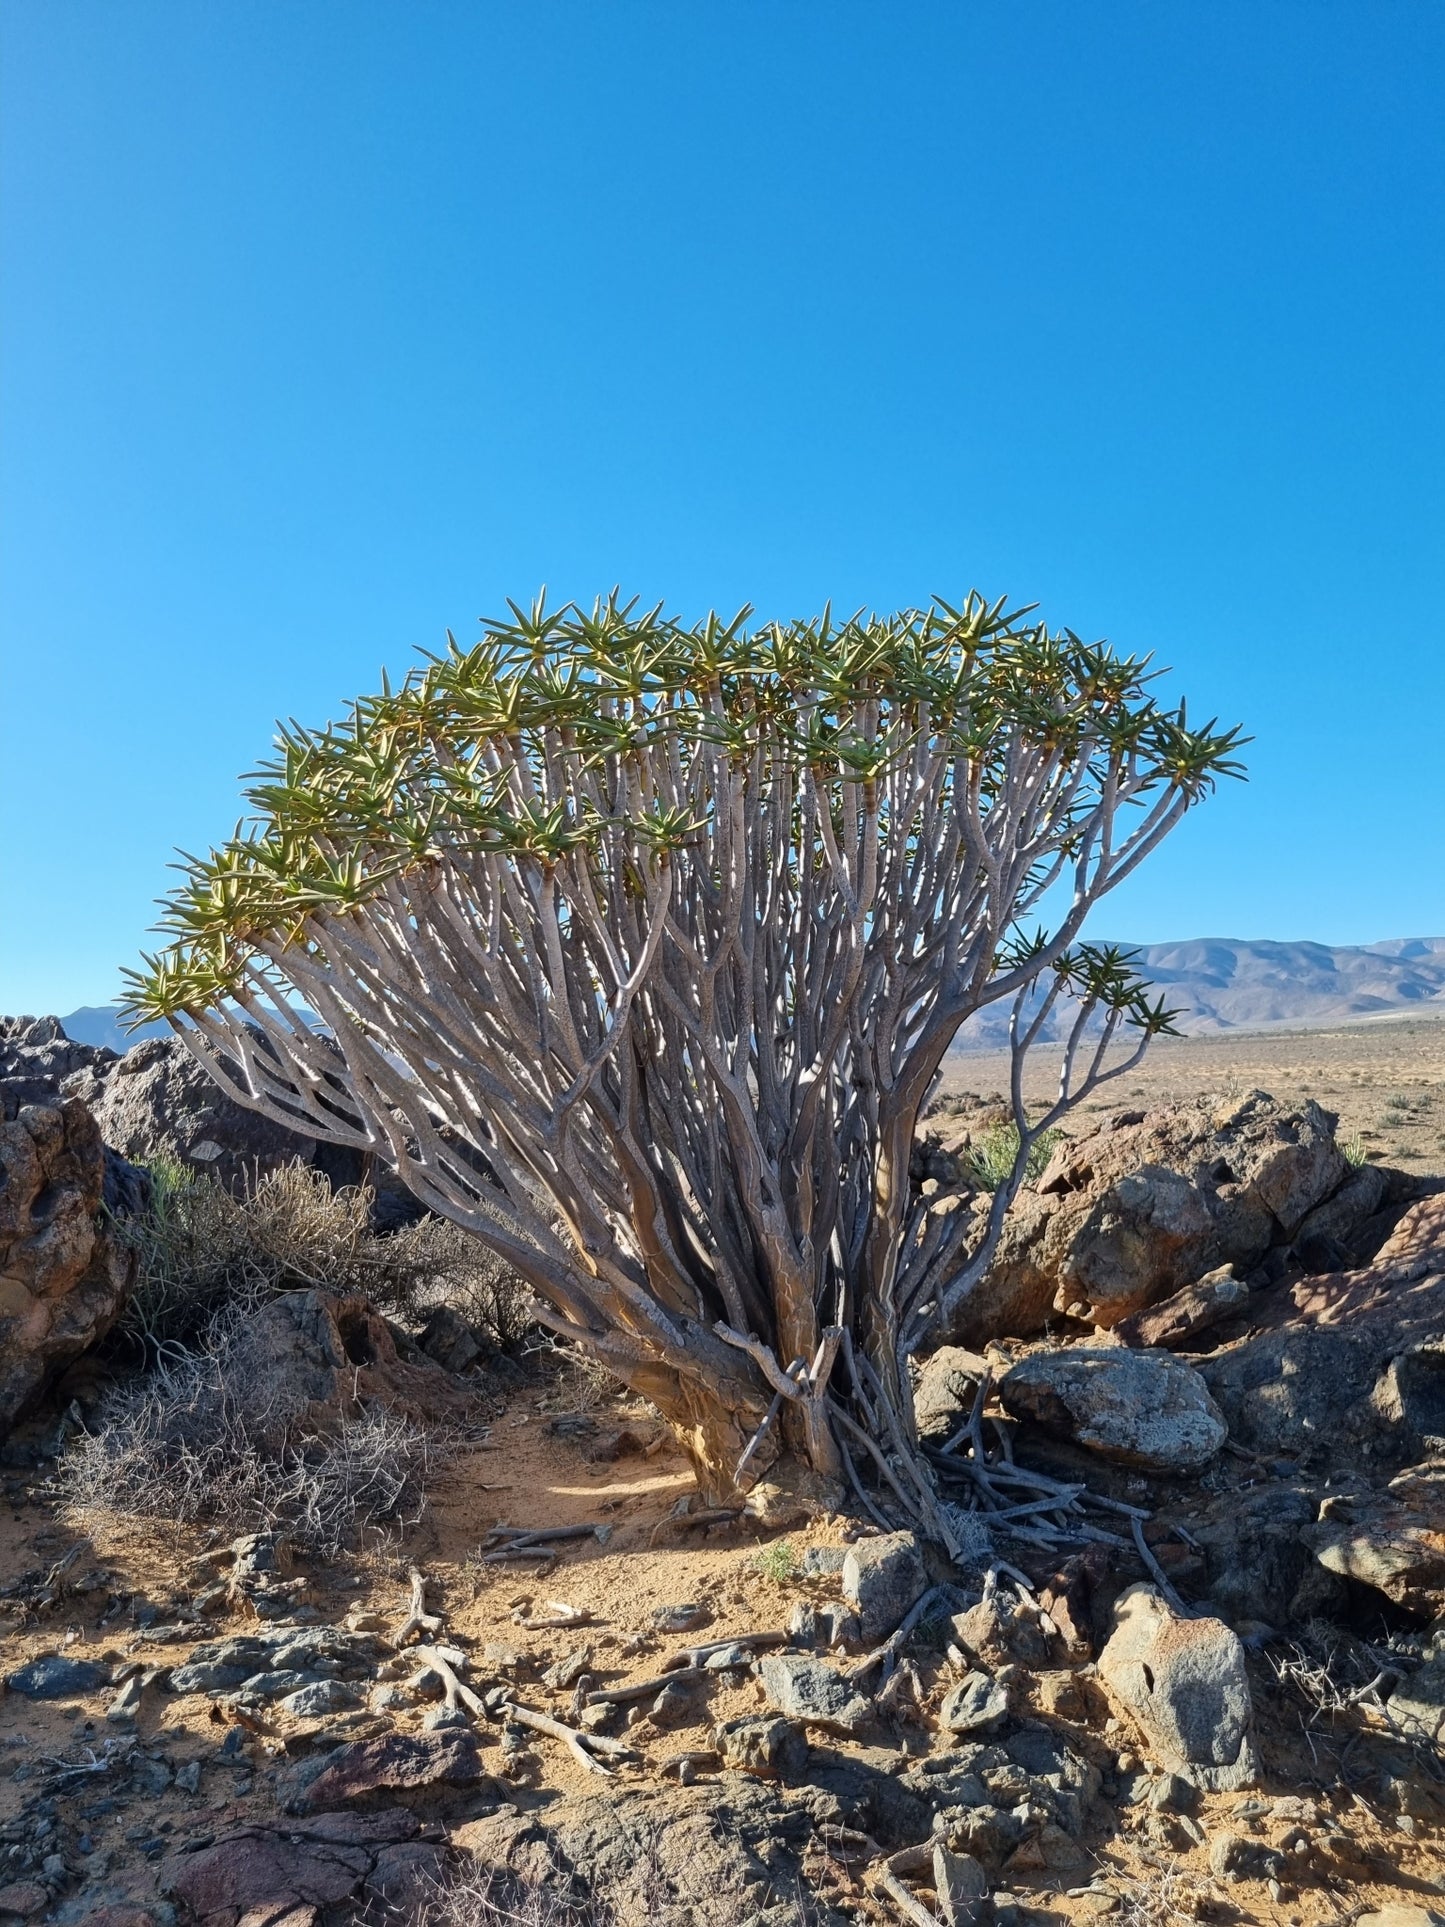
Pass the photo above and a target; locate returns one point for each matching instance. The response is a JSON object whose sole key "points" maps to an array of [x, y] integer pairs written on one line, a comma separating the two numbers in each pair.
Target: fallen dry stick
{"points": [[578, 1743], [418, 1619], [644, 1689], [893, 1645], [694, 1521], [457, 1692], [558, 1613], [695, 1655], [908, 1904]]}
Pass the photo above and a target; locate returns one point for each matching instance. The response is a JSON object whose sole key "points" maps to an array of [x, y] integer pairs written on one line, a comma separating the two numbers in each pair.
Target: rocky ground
{"points": [[1188, 1661]]}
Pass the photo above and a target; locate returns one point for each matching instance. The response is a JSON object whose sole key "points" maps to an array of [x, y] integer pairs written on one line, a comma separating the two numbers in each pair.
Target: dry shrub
{"points": [[645, 1896], [204, 1438], [201, 1250]]}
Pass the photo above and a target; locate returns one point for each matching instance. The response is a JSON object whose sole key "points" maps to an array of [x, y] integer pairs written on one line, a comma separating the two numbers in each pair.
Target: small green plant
{"points": [[991, 1155], [1355, 1152], [777, 1562]]}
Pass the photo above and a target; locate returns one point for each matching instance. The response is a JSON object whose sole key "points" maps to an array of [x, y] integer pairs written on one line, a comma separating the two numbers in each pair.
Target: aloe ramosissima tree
{"points": [[637, 947]]}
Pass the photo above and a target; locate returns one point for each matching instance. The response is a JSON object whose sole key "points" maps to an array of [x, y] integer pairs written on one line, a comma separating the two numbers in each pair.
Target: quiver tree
{"points": [[637, 947]]}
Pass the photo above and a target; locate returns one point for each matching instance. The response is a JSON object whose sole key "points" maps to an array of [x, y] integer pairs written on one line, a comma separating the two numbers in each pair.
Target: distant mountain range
{"points": [[1218, 983], [1223, 983], [100, 1024]]}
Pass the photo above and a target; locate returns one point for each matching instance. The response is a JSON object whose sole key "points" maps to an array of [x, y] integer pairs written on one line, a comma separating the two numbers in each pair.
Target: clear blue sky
{"points": [[330, 323]]}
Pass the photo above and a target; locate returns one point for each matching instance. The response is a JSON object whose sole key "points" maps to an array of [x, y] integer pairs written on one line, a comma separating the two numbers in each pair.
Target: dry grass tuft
{"points": [[201, 1251], [204, 1438]]}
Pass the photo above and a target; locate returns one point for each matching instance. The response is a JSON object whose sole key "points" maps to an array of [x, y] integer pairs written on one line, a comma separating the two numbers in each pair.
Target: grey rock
{"points": [[1234, 1857], [882, 1578], [682, 1618], [208, 1676], [1417, 1704], [261, 1687], [1357, 1362], [728, 1659], [315, 1702], [821, 1562], [806, 1689], [768, 1745], [977, 1704], [988, 1833], [1184, 1682], [58, 1678], [188, 1777], [1142, 1409], [943, 1391], [962, 1888]]}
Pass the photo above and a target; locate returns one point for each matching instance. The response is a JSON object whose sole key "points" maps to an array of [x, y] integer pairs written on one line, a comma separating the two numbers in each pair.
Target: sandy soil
{"points": [[1385, 1080], [525, 1473]]}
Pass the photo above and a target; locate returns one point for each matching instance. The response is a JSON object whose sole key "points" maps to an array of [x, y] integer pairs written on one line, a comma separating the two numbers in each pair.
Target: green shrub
{"points": [[991, 1155]]}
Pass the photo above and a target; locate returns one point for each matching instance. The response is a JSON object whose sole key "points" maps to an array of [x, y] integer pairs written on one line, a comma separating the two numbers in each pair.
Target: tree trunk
{"points": [[713, 1421]]}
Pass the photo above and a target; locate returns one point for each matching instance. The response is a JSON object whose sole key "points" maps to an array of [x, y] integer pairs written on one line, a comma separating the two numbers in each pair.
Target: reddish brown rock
{"points": [[261, 1877], [394, 1763], [1146, 1205], [64, 1271]]}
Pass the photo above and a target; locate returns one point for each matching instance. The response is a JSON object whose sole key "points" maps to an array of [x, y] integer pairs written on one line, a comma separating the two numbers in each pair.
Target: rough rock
{"points": [[1348, 1359], [65, 1269], [1392, 1540], [768, 1745], [23, 1898], [259, 1874], [324, 1358], [943, 1390], [1148, 1204], [1402, 1913], [157, 1101], [58, 1678], [962, 1888], [1217, 1296], [1184, 1682], [730, 1849], [1417, 1704], [882, 1578], [805, 1689], [1143, 1409], [394, 1764], [976, 1705], [1254, 1556]]}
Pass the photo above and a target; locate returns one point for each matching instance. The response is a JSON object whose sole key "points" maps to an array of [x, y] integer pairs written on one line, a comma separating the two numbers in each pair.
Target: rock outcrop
{"points": [[1142, 1409], [1354, 1357], [1150, 1203], [65, 1268]]}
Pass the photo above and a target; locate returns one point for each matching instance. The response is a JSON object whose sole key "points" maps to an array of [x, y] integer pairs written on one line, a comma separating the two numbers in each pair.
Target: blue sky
{"points": [[329, 325]]}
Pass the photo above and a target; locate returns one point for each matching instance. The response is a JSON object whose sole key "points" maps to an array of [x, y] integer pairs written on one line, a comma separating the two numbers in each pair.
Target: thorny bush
{"points": [[204, 1438], [200, 1250]]}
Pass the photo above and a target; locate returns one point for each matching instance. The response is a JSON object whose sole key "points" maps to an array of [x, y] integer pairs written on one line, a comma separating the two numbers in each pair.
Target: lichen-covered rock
{"points": [[805, 1689], [1184, 1682], [64, 1268], [882, 1578], [943, 1391], [1136, 1408], [768, 1745], [1350, 1358], [1150, 1203]]}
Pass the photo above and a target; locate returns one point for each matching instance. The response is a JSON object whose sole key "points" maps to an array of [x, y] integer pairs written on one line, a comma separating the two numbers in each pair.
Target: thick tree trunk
{"points": [[713, 1422]]}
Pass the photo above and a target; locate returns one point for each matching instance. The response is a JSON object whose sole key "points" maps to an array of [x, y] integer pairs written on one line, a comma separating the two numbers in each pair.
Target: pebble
{"points": [[188, 1777]]}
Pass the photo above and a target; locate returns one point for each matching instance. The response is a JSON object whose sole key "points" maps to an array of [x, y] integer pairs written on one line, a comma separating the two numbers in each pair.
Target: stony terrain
{"points": [[1188, 1661]]}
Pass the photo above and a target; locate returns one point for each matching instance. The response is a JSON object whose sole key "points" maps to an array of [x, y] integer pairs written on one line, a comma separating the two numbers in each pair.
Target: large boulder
{"points": [[1349, 1359], [157, 1101], [1136, 1408], [314, 1358], [1151, 1202], [1185, 1684], [65, 1268], [36, 1059]]}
